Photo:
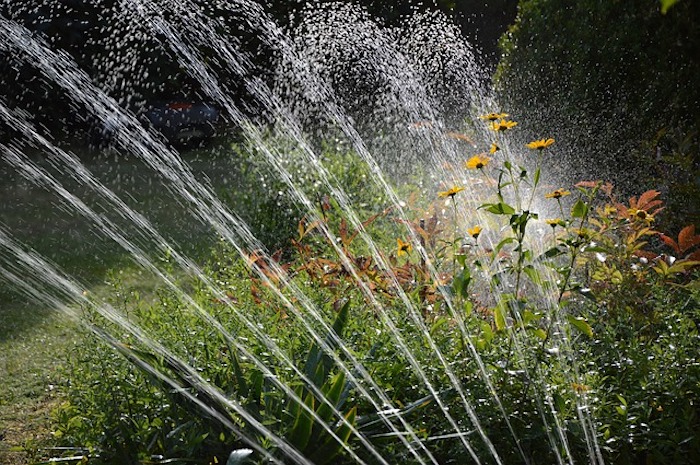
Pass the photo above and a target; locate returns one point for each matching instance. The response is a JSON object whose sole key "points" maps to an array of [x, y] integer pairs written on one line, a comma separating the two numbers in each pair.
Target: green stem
{"points": [[536, 181]]}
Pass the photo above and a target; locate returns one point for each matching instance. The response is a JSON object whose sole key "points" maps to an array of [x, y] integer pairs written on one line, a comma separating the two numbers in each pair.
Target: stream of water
{"points": [[302, 80]]}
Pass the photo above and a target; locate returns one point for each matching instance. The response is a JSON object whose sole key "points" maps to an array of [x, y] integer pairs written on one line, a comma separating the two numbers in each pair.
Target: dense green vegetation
{"points": [[564, 337], [597, 333]]}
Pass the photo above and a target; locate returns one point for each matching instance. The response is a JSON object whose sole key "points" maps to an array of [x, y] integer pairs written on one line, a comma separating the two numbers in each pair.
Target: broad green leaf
{"points": [[439, 323], [533, 274], [580, 324], [318, 364], [486, 331], [330, 449], [460, 283], [501, 244], [528, 316], [550, 253], [580, 209], [500, 208], [468, 308]]}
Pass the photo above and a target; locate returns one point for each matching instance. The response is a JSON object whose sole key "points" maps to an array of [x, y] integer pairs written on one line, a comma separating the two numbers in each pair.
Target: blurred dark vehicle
{"points": [[183, 124]]}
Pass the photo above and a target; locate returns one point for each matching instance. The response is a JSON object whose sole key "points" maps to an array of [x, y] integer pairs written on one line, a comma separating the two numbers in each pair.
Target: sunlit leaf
{"points": [[500, 208], [500, 317], [580, 209], [581, 325]]}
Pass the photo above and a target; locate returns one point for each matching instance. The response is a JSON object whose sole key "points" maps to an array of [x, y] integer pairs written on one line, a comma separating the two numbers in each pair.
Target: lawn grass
{"points": [[33, 345], [36, 340]]}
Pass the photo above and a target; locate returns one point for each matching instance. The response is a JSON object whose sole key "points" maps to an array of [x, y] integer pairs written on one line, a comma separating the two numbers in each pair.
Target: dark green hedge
{"points": [[617, 82]]}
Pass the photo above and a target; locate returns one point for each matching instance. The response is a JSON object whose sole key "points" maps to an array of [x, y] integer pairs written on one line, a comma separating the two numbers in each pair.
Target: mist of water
{"points": [[307, 89]]}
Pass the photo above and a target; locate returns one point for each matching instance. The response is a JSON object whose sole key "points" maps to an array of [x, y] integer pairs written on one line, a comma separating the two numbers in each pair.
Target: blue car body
{"points": [[181, 123]]}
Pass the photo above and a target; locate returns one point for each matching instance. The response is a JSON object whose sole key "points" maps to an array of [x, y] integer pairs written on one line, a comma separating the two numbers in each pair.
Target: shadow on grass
{"points": [[41, 221]]}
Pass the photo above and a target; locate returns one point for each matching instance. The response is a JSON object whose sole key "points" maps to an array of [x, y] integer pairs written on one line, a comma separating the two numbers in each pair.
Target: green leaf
{"points": [[580, 209], [500, 317], [439, 323], [503, 243], [300, 434], [533, 274], [666, 5], [238, 372], [330, 449], [580, 324], [529, 316], [500, 208], [318, 364], [550, 253], [337, 384], [460, 283], [486, 331], [536, 179], [468, 308]]}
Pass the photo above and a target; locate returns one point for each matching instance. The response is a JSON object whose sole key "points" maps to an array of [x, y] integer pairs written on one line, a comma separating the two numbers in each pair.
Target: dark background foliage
{"points": [[131, 65], [618, 82]]}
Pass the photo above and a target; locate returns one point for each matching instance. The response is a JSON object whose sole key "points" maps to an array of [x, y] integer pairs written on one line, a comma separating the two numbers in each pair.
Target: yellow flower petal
{"points": [[557, 194], [403, 247], [450, 193], [493, 116], [475, 231], [540, 144], [502, 125], [476, 162]]}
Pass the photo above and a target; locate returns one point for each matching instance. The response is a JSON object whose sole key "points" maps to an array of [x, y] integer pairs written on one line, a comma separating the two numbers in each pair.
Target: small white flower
{"points": [[600, 257]]}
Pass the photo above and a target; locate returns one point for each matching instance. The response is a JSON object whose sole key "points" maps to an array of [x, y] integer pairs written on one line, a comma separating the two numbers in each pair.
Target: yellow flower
{"points": [[557, 194], [474, 232], [580, 388], [450, 193], [494, 116], [609, 210], [477, 163], [494, 148], [640, 215], [554, 222], [403, 247], [502, 125], [540, 144]]}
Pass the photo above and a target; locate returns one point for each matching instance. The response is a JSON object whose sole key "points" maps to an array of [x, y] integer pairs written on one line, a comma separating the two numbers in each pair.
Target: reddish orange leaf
{"points": [[687, 238]]}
